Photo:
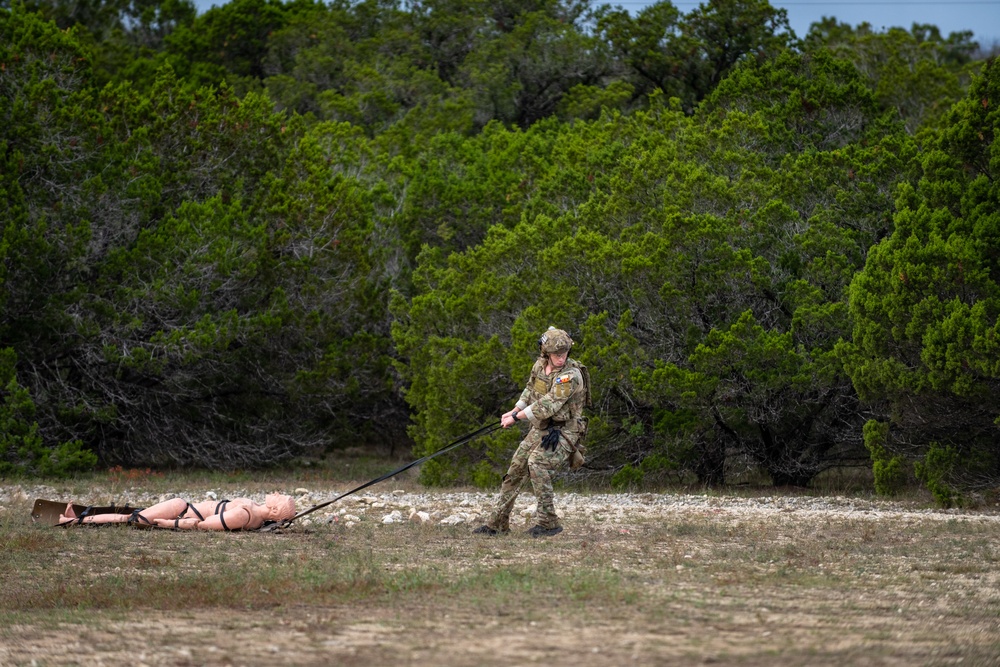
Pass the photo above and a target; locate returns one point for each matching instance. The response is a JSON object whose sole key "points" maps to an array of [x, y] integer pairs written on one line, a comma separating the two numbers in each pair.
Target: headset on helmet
{"points": [[555, 341]]}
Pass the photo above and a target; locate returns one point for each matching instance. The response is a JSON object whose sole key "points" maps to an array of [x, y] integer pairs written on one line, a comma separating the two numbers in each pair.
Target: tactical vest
{"points": [[570, 415]]}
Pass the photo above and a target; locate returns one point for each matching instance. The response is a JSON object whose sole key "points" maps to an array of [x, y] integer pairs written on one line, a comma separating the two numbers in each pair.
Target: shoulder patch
{"points": [[563, 386]]}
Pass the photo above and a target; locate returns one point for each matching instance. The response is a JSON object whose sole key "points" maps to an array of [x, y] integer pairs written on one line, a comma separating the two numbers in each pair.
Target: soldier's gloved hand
{"points": [[551, 440]]}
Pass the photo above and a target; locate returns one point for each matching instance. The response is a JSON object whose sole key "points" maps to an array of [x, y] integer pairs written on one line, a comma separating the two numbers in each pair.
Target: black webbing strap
{"points": [[135, 517], [220, 509], [77, 520], [457, 443], [193, 509]]}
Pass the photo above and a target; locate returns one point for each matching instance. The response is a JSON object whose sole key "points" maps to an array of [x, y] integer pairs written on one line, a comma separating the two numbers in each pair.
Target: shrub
{"points": [[889, 469], [21, 448]]}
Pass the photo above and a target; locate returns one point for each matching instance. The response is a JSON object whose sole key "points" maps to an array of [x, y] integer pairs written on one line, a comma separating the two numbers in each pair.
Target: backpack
{"points": [[578, 458], [588, 402]]}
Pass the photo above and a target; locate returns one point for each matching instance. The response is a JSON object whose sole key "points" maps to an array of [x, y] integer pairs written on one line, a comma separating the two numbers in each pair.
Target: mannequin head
{"points": [[280, 507]]}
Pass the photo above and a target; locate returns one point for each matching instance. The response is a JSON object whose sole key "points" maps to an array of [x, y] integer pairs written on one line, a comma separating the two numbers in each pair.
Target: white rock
{"points": [[420, 517], [211, 495], [301, 491], [351, 519], [452, 520], [398, 492], [393, 517]]}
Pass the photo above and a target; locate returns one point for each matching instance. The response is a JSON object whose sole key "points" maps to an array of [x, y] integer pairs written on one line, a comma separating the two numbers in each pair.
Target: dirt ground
{"points": [[706, 585], [786, 633]]}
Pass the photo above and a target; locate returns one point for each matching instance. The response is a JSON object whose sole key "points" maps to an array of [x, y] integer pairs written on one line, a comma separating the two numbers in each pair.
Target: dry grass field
{"points": [[645, 579]]}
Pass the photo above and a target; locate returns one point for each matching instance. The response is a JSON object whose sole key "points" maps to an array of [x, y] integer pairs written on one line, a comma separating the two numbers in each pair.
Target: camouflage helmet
{"points": [[555, 341]]}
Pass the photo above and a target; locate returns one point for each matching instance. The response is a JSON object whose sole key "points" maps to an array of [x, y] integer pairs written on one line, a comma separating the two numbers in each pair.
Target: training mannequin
{"points": [[177, 513]]}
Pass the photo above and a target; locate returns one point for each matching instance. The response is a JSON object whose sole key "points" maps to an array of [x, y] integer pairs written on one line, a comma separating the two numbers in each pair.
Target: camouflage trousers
{"points": [[530, 460]]}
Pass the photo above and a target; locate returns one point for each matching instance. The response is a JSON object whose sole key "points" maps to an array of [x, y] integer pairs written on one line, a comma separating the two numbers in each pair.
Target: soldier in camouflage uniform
{"points": [[553, 403]]}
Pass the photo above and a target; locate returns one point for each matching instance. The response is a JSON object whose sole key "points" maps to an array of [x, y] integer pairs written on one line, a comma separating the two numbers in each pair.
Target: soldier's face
{"points": [[558, 360]]}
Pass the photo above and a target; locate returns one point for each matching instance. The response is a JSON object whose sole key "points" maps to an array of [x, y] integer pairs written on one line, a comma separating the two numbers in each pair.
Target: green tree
{"points": [[450, 31], [520, 76], [730, 31], [49, 151], [650, 45], [918, 73], [22, 450], [124, 38], [240, 319], [464, 304], [687, 56], [459, 187], [926, 306], [794, 183], [888, 469], [703, 269], [229, 42], [189, 277], [308, 56], [50, 148]]}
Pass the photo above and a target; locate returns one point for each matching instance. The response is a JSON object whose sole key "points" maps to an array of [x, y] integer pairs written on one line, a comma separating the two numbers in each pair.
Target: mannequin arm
{"points": [[235, 518]]}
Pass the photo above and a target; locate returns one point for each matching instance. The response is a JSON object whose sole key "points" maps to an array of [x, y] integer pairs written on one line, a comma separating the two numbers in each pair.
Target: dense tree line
{"points": [[279, 228]]}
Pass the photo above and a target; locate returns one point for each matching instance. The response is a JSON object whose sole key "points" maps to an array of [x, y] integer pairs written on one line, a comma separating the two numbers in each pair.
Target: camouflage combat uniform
{"points": [[549, 401]]}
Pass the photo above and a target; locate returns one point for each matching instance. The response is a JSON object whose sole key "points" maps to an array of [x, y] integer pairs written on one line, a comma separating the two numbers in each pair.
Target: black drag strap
{"points": [[136, 517], [84, 514], [447, 448], [193, 509]]}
